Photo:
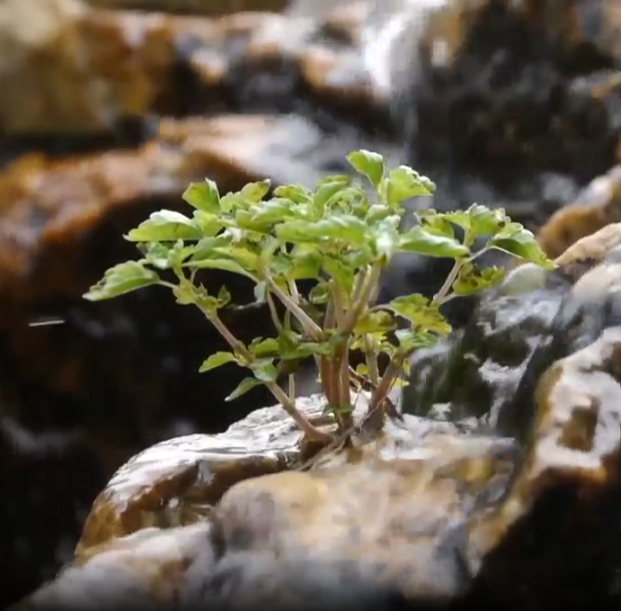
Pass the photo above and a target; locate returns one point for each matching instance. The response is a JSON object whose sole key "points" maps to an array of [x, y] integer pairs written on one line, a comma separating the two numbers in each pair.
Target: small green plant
{"points": [[337, 236]]}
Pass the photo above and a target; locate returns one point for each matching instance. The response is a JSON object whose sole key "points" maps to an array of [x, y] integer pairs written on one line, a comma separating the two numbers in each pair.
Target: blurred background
{"points": [[109, 108]]}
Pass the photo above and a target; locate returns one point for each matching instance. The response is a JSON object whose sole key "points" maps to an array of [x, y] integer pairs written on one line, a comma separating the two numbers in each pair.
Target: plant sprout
{"points": [[338, 237]]}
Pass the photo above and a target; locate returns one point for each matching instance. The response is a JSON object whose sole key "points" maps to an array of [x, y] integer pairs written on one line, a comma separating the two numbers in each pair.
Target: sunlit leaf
{"points": [[203, 196], [256, 191], [368, 163], [402, 184], [521, 243], [472, 280], [424, 242], [121, 279], [244, 386], [165, 226], [345, 227], [217, 360]]}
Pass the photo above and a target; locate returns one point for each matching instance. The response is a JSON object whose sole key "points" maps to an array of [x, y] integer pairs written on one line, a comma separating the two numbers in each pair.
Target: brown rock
{"points": [[178, 481], [199, 7], [597, 206], [77, 70]]}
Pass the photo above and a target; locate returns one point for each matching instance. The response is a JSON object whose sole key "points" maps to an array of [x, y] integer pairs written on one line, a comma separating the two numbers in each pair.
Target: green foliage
{"points": [[336, 235]]}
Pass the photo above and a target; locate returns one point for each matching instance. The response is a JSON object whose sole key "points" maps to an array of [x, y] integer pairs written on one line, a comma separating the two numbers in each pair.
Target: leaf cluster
{"points": [[340, 237]]}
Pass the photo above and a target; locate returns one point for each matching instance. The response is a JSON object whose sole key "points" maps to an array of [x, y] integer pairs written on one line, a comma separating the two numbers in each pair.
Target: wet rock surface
{"points": [[443, 520], [515, 105]]}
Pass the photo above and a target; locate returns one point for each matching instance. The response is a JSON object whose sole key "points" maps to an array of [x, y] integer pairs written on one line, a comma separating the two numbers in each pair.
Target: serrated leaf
{"points": [[421, 312], [342, 179], [424, 242], [471, 280], [368, 163], [121, 279], [519, 242], [484, 221], [295, 193], [375, 322], [439, 224], [217, 360], [206, 248], [226, 265], [306, 267], [165, 226], [203, 196], [403, 183], [155, 253], [243, 387], [245, 257], [325, 191], [349, 200], [344, 227], [210, 225], [413, 340], [256, 191]]}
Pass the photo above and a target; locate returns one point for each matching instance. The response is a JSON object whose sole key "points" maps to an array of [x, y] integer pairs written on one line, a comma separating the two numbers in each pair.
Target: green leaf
{"points": [[413, 340], [244, 256], [325, 191], [402, 184], [424, 242], [261, 348], [209, 224], [203, 196], [438, 224], [349, 200], [368, 163], [343, 227], [226, 265], [295, 193], [320, 293], [484, 221], [472, 280], [121, 279], [243, 387], [165, 226], [386, 235], [217, 360], [342, 273], [206, 248], [256, 191], [293, 267], [224, 297], [421, 312], [375, 322], [264, 370], [517, 241]]}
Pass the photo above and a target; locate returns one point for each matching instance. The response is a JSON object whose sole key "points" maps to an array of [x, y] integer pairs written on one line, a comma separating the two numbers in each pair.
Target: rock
{"points": [[446, 521], [103, 68], [561, 549], [488, 370], [199, 7], [179, 481], [597, 206]]}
